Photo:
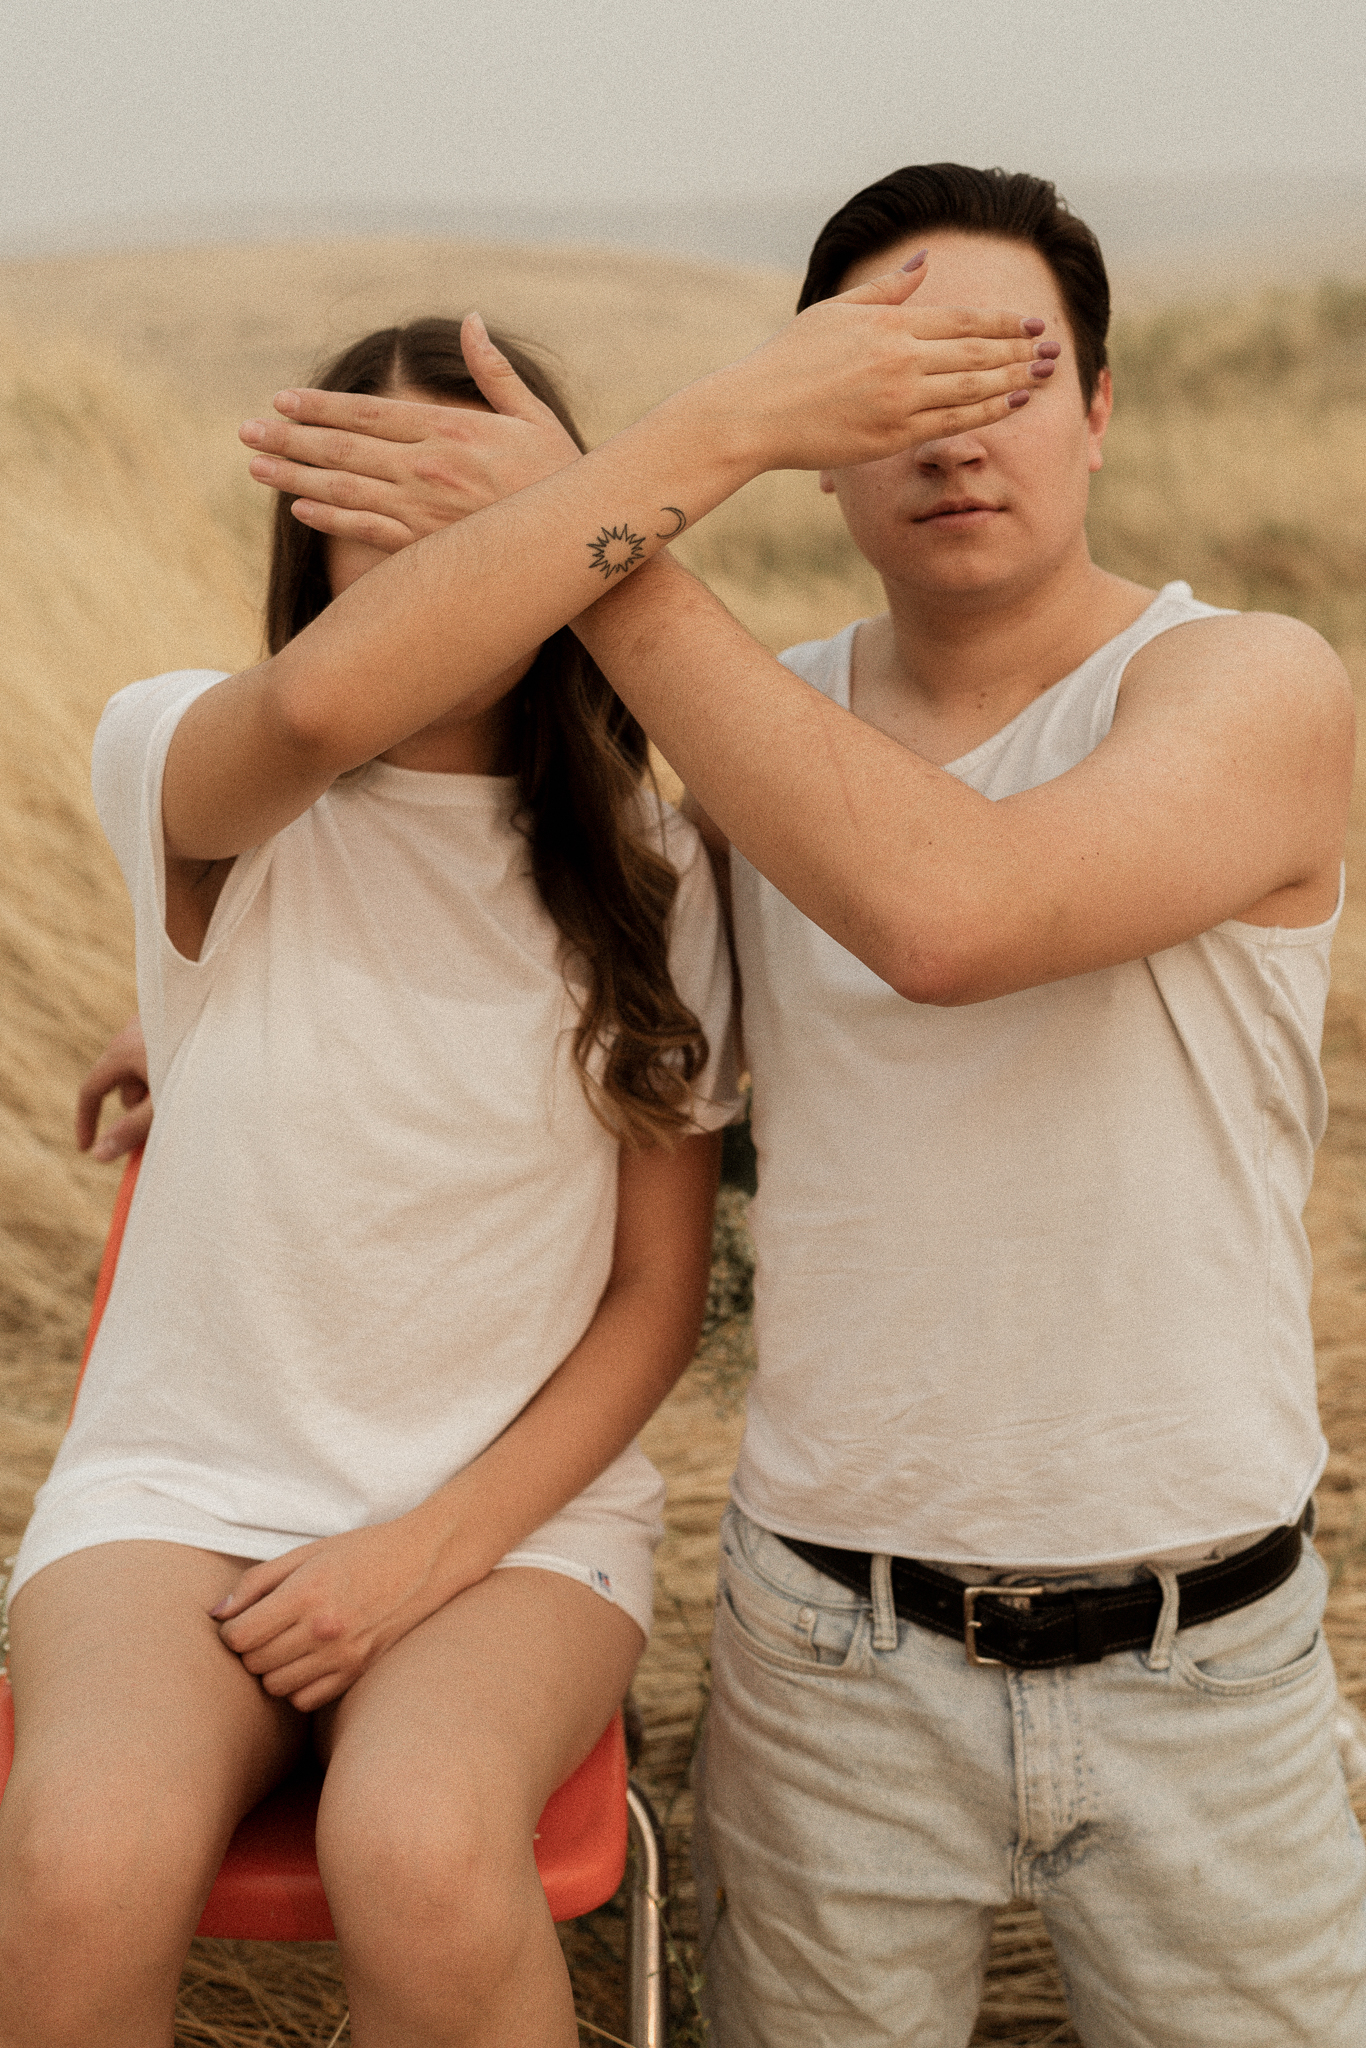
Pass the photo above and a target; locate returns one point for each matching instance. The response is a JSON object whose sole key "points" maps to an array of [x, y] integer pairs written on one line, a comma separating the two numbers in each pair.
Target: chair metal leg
{"points": [[647, 1978]]}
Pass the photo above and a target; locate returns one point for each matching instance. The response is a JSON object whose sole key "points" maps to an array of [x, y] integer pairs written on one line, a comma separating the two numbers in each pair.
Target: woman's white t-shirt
{"points": [[376, 1210]]}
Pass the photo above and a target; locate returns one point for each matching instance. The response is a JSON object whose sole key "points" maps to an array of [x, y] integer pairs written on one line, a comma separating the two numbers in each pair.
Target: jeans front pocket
{"points": [[1268, 1646], [808, 1625]]}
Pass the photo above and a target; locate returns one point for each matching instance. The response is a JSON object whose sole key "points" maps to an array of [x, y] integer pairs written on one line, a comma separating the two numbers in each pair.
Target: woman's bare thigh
{"points": [[124, 1695], [441, 1757], [499, 1695]]}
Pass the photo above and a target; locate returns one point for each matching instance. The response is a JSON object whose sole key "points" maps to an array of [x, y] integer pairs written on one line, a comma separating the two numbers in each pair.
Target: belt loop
{"points": [[1159, 1656], [884, 1612]]}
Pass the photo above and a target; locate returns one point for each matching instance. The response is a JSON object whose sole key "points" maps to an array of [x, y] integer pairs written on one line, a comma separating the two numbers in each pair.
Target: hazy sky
{"points": [[164, 108]]}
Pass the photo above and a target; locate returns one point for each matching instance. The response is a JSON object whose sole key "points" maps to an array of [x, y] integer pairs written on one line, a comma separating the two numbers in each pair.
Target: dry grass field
{"points": [[132, 543]]}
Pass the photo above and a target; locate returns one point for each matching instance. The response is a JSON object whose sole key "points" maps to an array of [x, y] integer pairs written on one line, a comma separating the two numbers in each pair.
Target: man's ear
{"points": [[1098, 418]]}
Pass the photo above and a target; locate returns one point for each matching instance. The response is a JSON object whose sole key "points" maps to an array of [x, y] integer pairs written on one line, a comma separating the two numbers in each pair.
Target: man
{"points": [[1034, 881]]}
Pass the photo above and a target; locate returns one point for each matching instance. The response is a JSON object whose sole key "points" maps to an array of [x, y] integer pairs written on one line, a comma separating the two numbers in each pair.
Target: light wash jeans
{"points": [[1178, 1814]]}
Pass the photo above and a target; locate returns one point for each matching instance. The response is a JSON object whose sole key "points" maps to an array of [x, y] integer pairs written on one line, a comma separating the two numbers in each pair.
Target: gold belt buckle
{"points": [[971, 1624]]}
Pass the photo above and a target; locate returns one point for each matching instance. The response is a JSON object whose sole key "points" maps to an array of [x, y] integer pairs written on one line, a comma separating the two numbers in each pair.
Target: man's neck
{"points": [[941, 674]]}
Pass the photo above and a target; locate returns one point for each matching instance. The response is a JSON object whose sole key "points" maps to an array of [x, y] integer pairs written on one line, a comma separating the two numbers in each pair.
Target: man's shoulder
{"points": [[1257, 663], [822, 663]]}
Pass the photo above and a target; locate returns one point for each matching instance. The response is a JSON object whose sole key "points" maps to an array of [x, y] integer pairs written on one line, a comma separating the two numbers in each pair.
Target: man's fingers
{"points": [[385, 419], [324, 448], [126, 1134], [494, 374], [326, 486], [371, 528]]}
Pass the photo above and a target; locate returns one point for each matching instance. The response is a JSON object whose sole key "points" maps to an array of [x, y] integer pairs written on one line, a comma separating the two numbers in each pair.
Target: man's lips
{"points": [[957, 512]]}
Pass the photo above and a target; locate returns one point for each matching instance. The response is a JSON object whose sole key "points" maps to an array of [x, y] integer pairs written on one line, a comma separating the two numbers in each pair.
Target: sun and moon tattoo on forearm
{"points": [[616, 550]]}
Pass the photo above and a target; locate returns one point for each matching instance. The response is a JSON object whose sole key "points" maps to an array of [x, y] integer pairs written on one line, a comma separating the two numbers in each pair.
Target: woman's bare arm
{"points": [[310, 1622], [429, 631]]}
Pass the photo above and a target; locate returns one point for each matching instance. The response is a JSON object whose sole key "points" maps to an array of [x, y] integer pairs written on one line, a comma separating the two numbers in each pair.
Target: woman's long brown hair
{"points": [[580, 760]]}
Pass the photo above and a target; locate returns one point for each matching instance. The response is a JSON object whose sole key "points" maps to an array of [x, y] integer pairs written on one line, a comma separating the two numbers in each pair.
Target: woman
{"points": [[428, 1195], [421, 1241]]}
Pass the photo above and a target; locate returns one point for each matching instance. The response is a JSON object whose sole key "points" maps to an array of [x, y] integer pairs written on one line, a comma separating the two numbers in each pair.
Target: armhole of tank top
{"points": [[1289, 934]]}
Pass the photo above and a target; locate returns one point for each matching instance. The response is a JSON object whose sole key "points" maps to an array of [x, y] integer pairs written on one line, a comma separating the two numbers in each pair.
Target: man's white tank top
{"points": [[1032, 1283]]}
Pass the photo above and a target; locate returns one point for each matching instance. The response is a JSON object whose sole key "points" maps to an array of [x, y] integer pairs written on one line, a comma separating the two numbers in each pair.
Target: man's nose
{"points": [[951, 452]]}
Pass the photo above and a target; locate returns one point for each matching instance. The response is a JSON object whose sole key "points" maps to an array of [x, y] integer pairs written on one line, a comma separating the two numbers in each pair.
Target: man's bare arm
{"points": [[435, 629], [1222, 788]]}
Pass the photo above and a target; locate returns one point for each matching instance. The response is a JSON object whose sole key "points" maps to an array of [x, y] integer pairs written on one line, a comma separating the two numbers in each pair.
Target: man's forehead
{"points": [[967, 269]]}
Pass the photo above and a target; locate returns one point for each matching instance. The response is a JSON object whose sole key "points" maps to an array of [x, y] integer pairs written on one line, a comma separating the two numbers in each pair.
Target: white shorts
{"points": [[603, 1543]]}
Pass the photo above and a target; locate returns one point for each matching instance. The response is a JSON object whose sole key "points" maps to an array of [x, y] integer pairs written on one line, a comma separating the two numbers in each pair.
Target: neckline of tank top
{"points": [[494, 794], [1175, 591]]}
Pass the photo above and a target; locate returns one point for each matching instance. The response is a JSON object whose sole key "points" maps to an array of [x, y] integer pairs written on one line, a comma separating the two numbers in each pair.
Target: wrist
{"points": [[719, 436], [461, 1535]]}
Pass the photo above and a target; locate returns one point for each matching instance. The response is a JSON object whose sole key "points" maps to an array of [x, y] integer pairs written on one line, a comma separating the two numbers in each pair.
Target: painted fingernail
{"points": [[1047, 350], [916, 260], [1042, 369], [1017, 399], [1032, 326]]}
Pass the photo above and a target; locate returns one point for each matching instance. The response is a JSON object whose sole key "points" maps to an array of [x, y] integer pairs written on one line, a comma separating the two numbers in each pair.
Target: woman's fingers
{"points": [[255, 1583], [889, 287], [895, 287], [966, 419]]}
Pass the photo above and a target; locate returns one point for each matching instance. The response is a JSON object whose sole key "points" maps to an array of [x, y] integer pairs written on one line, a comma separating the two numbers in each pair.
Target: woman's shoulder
{"points": [[138, 708], [131, 740]]}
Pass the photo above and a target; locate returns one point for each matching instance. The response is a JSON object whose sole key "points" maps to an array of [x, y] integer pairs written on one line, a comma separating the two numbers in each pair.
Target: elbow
{"points": [[944, 975], [935, 979], [307, 726]]}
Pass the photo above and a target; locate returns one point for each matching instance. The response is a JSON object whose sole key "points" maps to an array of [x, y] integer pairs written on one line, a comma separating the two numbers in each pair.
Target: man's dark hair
{"points": [[1008, 204]]}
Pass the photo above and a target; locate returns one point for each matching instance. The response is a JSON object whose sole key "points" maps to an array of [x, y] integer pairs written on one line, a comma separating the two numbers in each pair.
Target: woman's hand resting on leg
{"points": [[309, 1623]]}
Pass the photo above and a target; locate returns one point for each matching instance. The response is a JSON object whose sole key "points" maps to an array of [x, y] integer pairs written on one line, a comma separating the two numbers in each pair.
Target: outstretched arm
{"points": [[433, 629], [310, 1622], [1221, 790]]}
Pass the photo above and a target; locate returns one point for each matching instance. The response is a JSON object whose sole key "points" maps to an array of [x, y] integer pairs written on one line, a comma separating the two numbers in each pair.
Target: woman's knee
{"points": [[75, 1866], [453, 1867]]}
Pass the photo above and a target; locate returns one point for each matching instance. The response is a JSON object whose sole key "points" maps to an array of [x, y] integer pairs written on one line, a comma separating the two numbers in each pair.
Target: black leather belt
{"points": [[1033, 1628]]}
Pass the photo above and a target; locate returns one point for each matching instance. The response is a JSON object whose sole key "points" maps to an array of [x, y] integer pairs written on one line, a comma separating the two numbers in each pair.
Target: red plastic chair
{"points": [[269, 1889]]}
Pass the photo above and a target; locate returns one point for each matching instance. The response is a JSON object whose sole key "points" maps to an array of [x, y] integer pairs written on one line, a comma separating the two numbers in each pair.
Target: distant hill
{"points": [[1158, 232]]}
